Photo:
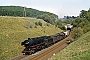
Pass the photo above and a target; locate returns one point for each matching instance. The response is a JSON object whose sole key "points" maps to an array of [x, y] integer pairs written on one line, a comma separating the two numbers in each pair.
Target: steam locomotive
{"points": [[33, 45]]}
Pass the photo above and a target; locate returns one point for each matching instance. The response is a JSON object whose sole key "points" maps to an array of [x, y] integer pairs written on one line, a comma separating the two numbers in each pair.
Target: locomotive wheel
{"points": [[32, 51], [42, 47], [46, 46], [27, 53]]}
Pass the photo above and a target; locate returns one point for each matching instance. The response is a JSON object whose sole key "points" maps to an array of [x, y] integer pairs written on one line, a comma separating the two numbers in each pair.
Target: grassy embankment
{"points": [[78, 50], [13, 32]]}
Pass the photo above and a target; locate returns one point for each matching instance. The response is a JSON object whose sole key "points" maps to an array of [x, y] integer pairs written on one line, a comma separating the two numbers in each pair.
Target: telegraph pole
{"points": [[24, 12]]}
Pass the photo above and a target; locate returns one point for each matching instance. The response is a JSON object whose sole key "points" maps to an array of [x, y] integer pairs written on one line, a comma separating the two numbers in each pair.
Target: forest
{"points": [[21, 11]]}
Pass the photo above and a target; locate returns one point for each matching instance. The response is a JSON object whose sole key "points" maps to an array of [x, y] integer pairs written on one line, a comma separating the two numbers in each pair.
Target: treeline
{"points": [[21, 11], [68, 17], [81, 24], [83, 21]]}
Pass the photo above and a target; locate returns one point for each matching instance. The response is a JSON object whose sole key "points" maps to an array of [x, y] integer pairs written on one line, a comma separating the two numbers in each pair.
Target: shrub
{"points": [[30, 26], [39, 23], [71, 39], [62, 27], [48, 24], [36, 23], [77, 32], [35, 26]]}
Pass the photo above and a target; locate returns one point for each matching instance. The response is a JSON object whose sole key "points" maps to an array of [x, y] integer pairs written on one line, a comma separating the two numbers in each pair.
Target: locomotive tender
{"points": [[33, 45]]}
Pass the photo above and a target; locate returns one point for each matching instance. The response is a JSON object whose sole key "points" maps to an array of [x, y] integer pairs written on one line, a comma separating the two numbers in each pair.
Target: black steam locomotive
{"points": [[33, 45]]}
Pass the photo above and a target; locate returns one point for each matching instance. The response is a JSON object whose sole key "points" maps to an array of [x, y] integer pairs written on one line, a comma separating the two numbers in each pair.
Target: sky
{"points": [[59, 7]]}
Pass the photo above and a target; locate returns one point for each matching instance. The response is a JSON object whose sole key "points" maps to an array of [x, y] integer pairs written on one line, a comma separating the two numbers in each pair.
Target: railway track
{"points": [[45, 53]]}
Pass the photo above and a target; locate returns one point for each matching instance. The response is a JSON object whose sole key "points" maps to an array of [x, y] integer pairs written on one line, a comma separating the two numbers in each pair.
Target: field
{"points": [[14, 30], [78, 50]]}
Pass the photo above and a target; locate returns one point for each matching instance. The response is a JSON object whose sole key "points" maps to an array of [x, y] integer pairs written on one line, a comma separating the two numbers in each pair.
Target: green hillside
{"points": [[21, 11], [14, 30], [78, 50]]}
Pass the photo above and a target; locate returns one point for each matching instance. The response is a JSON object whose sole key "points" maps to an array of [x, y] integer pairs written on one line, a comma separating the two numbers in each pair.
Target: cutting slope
{"points": [[14, 30], [78, 50]]}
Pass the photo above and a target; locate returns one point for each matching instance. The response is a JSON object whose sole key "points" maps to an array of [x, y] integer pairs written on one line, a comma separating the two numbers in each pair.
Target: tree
{"points": [[88, 16], [83, 14], [48, 17], [77, 32]]}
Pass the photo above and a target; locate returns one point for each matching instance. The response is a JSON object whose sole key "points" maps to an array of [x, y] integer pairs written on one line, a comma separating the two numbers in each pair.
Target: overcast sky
{"points": [[59, 7]]}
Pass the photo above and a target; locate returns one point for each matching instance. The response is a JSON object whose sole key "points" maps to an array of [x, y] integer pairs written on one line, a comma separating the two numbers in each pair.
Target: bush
{"points": [[71, 39], [36, 23], [62, 27], [39, 23], [30, 26], [77, 32], [35, 26], [48, 24], [86, 28]]}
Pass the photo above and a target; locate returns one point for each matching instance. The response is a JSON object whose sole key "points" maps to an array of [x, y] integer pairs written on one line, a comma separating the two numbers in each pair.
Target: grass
{"points": [[78, 50], [13, 31]]}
